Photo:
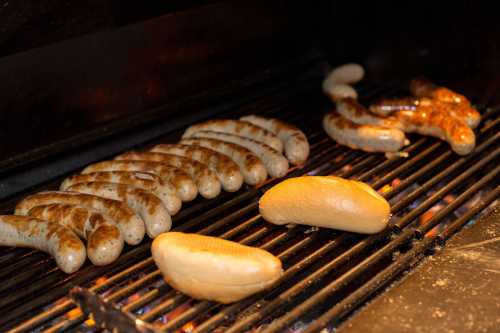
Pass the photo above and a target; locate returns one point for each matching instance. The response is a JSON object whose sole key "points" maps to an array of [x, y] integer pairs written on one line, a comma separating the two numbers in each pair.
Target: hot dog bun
{"points": [[211, 268], [330, 202]]}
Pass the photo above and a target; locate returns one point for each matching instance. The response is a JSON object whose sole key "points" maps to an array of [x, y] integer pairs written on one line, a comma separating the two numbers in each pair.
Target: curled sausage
{"points": [[276, 164], [57, 240], [208, 183], [131, 225], [337, 84], [184, 185], [225, 168], [370, 138], [104, 239], [352, 110], [143, 180], [239, 128], [421, 87], [294, 140], [145, 204], [253, 170]]}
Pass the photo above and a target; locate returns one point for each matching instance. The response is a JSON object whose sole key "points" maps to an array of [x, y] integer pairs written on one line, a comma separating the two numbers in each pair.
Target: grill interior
{"points": [[327, 273]]}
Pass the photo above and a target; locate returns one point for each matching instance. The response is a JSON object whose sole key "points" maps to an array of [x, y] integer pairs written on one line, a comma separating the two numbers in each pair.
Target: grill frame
{"points": [[366, 167]]}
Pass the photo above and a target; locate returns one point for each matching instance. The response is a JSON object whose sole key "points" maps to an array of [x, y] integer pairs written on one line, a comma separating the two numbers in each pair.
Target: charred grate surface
{"points": [[433, 193]]}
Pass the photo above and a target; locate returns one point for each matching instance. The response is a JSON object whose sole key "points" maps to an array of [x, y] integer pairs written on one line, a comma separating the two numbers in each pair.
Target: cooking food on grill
{"points": [[57, 240], [276, 164], [337, 84], [225, 168], [238, 128], [146, 181], [421, 87], [387, 106], [145, 204], [183, 183], [131, 225], [211, 268], [208, 184], [434, 122], [104, 239], [370, 138], [294, 140], [330, 202], [251, 167]]}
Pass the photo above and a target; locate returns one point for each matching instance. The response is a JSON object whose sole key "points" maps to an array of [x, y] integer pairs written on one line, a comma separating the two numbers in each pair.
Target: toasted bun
{"points": [[330, 202], [211, 268]]}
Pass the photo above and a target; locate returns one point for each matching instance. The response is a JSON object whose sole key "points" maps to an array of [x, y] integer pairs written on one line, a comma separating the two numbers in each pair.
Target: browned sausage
{"points": [[294, 140], [184, 185], [131, 225], [143, 180], [208, 183], [276, 164], [239, 128], [104, 239], [370, 138], [422, 87], [253, 170], [224, 167], [144, 203], [57, 240]]}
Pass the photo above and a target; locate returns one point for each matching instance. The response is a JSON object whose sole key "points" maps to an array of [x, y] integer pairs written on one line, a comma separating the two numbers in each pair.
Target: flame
{"points": [[100, 280], [75, 313]]}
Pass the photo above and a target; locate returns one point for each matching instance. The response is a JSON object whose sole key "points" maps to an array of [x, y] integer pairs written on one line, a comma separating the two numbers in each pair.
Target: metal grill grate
{"points": [[327, 273]]}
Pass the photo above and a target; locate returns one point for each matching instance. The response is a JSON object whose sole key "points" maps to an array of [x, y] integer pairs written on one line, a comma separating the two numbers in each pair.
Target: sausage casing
{"points": [[208, 184], [143, 180], [104, 239], [131, 225], [224, 167], [294, 140], [57, 240]]}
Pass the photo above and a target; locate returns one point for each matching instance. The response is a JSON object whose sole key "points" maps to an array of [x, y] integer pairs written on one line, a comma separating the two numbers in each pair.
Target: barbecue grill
{"points": [[328, 274]]}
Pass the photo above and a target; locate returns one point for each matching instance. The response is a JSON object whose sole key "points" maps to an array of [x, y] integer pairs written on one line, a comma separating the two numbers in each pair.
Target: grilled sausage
{"points": [[146, 181], [225, 168], [208, 184], [294, 140], [435, 122], [104, 239], [369, 138], [131, 225], [352, 110], [276, 164], [57, 240], [145, 204], [422, 87], [337, 84], [239, 128], [184, 185], [386, 106], [252, 169]]}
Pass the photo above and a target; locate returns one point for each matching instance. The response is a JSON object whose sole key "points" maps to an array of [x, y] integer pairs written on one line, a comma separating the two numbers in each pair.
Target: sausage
{"points": [[208, 184], [421, 87], [276, 164], [370, 138], [339, 91], [131, 225], [467, 113], [239, 128], [211, 268], [145, 204], [294, 140], [352, 110], [104, 239], [253, 170], [146, 181], [337, 84], [57, 240], [432, 121], [342, 204], [183, 183], [225, 168]]}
